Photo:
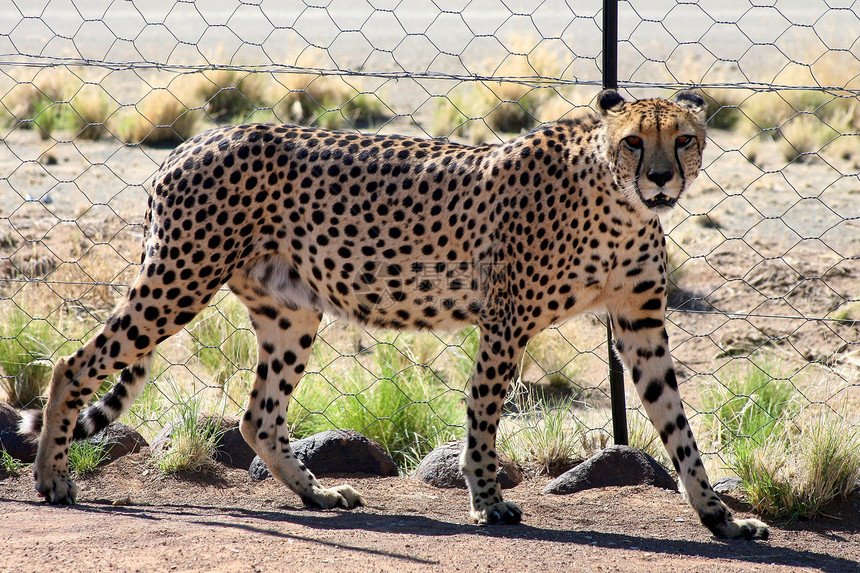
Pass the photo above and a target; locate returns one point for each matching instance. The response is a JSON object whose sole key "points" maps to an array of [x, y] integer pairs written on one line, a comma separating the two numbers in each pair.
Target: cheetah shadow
{"points": [[264, 522]]}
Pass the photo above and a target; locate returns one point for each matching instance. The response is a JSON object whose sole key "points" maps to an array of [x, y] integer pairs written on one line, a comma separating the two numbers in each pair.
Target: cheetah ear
{"points": [[692, 101], [610, 101]]}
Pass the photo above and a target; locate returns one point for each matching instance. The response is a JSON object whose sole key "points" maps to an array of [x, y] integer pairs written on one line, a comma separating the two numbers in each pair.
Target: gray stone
{"points": [[119, 440], [336, 452], [727, 484], [232, 449], [441, 468], [614, 466], [19, 447]]}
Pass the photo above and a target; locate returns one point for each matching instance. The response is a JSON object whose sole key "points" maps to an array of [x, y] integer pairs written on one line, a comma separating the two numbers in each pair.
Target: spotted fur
{"points": [[406, 233]]}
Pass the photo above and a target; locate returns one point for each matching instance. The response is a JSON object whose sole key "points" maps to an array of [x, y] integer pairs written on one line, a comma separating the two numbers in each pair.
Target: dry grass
{"points": [[483, 110], [642, 435], [547, 440], [804, 135], [231, 96], [797, 474], [20, 103], [59, 100], [330, 102], [90, 110], [805, 120], [847, 310], [62, 101], [193, 102], [160, 117]]}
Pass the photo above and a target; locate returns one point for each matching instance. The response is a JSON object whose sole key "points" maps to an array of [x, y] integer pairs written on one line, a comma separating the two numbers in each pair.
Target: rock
{"points": [[336, 452], [614, 466], [232, 449], [441, 468], [120, 440], [17, 446], [727, 484]]}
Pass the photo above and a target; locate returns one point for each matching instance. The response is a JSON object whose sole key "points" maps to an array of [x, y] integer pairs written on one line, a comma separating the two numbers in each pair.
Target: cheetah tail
{"points": [[107, 409], [30, 425]]}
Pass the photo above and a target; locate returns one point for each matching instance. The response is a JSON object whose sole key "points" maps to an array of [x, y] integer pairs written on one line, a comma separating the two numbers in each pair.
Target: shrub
{"points": [[160, 117]]}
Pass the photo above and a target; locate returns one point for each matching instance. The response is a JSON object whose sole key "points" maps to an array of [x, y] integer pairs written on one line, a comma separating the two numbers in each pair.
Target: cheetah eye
{"points": [[633, 142], [683, 140]]}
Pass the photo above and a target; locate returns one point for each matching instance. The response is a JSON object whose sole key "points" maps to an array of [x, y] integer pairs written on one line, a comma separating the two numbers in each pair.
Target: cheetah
{"points": [[406, 233]]}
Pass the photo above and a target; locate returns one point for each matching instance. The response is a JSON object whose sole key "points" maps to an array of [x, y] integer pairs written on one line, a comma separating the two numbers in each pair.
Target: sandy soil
{"points": [[226, 522]]}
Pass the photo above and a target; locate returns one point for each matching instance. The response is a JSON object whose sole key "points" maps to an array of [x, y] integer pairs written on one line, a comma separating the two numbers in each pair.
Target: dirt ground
{"points": [[227, 522]]}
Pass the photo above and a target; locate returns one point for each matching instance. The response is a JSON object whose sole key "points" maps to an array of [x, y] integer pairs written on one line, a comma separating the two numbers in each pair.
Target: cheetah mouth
{"points": [[660, 202]]}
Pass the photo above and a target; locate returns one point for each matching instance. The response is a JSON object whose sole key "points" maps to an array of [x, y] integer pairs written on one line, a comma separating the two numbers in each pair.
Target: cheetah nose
{"points": [[660, 178]]}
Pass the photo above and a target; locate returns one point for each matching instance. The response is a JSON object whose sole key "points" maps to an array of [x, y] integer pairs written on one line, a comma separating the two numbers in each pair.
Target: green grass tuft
{"points": [[548, 439], [194, 436], [752, 402], [402, 405], [798, 472], [86, 456], [792, 461], [9, 465], [24, 352]]}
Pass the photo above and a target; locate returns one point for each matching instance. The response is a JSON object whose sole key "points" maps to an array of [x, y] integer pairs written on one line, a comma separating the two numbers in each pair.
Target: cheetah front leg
{"points": [[494, 369], [643, 345], [284, 341]]}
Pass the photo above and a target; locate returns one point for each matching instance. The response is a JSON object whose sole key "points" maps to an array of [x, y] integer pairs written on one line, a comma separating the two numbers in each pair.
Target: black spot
{"points": [[653, 391]]}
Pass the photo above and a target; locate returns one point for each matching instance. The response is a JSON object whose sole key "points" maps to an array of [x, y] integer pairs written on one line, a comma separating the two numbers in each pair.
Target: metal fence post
{"points": [[616, 371], [610, 44]]}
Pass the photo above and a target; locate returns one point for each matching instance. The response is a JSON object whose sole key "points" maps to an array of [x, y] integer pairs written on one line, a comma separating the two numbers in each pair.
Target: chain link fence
{"points": [[764, 307]]}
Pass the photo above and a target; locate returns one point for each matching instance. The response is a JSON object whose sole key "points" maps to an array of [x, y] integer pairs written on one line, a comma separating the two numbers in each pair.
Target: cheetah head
{"points": [[653, 146]]}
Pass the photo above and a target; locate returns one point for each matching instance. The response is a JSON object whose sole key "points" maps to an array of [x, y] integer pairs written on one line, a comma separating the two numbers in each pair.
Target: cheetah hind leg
{"points": [[284, 341], [90, 421], [126, 340], [62, 422]]}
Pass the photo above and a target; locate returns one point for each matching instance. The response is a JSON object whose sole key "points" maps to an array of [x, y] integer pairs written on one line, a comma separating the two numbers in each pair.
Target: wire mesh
{"points": [[763, 250]]}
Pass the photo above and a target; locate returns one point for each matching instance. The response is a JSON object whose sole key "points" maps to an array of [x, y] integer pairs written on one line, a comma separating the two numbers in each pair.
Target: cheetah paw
{"points": [[340, 496], [57, 490], [747, 529], [738, 528], [501, 512]]}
